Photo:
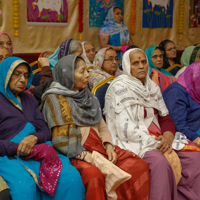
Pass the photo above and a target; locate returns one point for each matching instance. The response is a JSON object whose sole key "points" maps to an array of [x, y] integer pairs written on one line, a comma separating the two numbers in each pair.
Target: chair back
{"points": [[90, 67], [99, 90]]}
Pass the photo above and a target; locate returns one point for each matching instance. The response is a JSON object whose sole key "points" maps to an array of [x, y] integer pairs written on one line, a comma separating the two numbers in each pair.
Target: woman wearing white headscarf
{"points": [[114, 33], [88, 53], [138, 120]]}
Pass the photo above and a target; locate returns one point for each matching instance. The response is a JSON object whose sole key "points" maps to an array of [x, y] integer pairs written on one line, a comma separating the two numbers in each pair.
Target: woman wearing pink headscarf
{"points": [[6, 41]]}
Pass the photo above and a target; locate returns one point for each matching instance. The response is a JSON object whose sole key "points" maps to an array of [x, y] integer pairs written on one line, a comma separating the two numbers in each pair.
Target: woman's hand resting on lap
{"points": [[26, 145], [166, 142]]}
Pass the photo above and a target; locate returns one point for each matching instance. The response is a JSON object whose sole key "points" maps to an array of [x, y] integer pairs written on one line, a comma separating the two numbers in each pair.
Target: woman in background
{"points": [[114, 33]]}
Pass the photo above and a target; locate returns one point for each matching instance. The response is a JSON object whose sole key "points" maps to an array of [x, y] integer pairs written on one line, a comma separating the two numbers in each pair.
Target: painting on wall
{"points": [[47, 13], [194, 14], [98, 10], [0, 13], [157, 13]]}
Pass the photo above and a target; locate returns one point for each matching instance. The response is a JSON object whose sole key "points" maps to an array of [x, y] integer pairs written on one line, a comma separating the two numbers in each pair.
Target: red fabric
{"points": [[166, 123], [50, 167], [135, 188]]}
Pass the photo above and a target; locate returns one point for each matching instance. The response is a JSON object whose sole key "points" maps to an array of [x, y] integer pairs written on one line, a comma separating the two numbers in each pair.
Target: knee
{"points": [[161, 163], [95, 172]]}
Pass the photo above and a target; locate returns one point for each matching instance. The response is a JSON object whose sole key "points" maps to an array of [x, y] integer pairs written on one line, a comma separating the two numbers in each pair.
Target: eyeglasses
{"points": [[19, 76], [111, 59]]}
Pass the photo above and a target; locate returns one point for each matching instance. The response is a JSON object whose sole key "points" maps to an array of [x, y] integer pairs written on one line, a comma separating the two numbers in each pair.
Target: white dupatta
{"points": [[125, 101]]}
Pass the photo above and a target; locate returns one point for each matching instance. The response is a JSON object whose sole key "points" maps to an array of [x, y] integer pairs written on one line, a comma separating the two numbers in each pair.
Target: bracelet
{"points": [[120, 48]]}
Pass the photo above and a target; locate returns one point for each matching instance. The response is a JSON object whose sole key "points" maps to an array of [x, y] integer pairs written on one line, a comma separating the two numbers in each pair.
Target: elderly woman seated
{"points": [[88, 53], [182, 99], [190, 55], [68, 47], [156, 72], [78, 131], [105, 65], [139, 121], [28, 162]]}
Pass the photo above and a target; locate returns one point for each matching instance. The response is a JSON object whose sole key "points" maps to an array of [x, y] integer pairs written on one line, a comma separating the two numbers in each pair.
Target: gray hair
{"points": [[136, 50], [87, 42], [74, 46]]}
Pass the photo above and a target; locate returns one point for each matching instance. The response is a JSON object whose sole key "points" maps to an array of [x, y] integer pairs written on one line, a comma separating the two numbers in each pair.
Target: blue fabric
{"points": [[117, 32], [114, 40], [53, 59], [184, 111], [6, 72], [100, 94], [36, 79], [22, 185], [149, 52]]}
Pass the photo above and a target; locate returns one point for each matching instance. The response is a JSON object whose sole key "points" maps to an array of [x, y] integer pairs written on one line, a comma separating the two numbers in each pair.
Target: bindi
{"points": [[139, 58]]}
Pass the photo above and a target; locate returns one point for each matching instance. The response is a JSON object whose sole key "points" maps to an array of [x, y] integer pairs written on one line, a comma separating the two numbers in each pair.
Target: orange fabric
{"points": [[135, 188], [162, 80], [155, 131]]}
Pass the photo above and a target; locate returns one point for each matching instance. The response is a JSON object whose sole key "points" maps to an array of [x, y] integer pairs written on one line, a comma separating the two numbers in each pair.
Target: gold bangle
{"points": [[120, 48]]}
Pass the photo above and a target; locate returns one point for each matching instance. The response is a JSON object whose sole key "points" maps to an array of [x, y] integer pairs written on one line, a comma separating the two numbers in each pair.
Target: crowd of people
{"points": [[55, 143]]}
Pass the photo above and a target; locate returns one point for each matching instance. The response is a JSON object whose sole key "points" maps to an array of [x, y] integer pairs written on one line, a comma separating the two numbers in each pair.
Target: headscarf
{"points": [[190, 80], [97, 74], [165, 59], [149, 52], [7, 68], [88, 63], [111, 27], [189, 55], [85, 106], [1, 33], [149, 94], [127, 97], [62, 50]]}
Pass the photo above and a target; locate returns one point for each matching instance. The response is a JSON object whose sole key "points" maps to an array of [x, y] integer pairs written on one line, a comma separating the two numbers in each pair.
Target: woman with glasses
{"points": [[28, 163], [169, 55], [190, 55], [105, 65]]}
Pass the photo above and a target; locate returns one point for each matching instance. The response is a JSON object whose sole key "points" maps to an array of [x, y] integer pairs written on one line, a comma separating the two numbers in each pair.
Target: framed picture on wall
{"points": [[98, 10], [194, 14], [47, 13], [157, 14], [0, 12]]}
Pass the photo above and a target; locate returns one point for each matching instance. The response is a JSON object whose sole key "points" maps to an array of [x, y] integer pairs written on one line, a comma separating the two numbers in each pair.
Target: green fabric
{"points": [[189, 55], [149, 52]]}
